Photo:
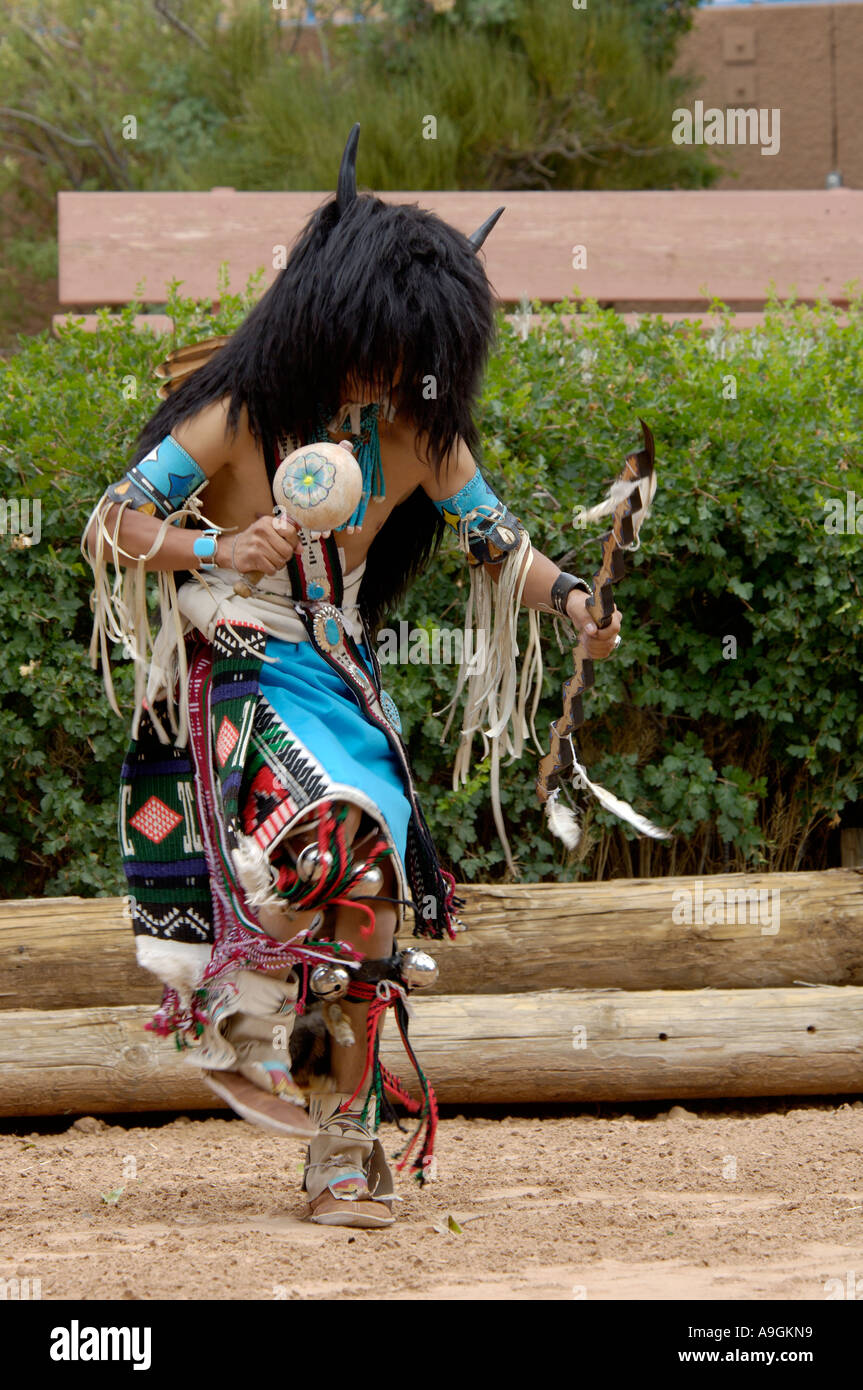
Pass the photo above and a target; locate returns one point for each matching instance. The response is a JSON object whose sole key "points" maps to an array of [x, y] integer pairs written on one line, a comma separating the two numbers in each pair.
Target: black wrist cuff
{"points": [[563, 587]]}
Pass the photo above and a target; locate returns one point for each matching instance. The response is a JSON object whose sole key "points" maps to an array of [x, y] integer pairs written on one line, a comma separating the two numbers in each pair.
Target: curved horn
{"points": [[347, 186], [478, 237]]}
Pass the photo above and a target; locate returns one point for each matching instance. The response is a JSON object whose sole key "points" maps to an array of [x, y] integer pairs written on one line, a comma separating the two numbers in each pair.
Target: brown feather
{"points": [[183, 361]]}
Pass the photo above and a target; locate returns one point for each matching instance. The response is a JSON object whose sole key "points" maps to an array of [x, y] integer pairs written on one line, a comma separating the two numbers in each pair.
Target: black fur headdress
{"points": [[369, 288]]}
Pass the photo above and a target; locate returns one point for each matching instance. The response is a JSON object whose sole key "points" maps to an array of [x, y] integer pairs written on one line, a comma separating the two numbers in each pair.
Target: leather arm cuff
{"points": [[563, 587]]}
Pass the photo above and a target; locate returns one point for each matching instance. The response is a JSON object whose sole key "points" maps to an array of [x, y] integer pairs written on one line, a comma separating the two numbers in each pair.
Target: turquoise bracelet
{"points": [[205, 549]]}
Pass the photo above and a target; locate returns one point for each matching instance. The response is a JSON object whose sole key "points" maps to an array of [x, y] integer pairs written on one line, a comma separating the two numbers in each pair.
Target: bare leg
{"points": [[347, 1177], [261, 1087], [348, 1062]]}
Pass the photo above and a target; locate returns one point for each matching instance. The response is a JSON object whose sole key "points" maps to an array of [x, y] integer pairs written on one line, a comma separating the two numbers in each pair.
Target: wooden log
{"points": [[68, 952], [632, 934], [74, 952], [564, 1045]]}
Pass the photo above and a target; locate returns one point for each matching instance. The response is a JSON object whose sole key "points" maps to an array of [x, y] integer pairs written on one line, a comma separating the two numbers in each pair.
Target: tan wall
{"points": [[780, 56]]}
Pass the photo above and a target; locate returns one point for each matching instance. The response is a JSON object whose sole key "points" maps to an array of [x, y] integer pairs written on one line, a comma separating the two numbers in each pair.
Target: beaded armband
{"points": [[161, 482], [490, 529]]}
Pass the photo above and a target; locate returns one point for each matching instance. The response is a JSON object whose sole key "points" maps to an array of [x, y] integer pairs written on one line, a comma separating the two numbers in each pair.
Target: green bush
{"points": [[547, 98], [747, 757]]}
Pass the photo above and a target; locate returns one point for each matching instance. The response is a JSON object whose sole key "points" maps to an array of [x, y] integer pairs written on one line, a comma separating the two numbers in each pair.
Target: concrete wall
{"points": [[807, 60]]}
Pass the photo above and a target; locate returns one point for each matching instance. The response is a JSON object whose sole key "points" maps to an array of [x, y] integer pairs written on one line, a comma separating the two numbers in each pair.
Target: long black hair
{"points": [[390, 295]]}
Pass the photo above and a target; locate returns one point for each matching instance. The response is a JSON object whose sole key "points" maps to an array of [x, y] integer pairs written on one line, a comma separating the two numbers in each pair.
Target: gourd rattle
{"points": [[317, 487]]}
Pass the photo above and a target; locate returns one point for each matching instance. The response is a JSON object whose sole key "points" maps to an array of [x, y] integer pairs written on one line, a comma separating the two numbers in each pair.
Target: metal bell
{"points": [[312, 865], [418, 968], [329, 981], [372, 881]]}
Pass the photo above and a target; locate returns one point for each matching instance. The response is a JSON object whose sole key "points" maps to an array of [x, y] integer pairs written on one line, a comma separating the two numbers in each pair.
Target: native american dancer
{"points": [[272, 835]]}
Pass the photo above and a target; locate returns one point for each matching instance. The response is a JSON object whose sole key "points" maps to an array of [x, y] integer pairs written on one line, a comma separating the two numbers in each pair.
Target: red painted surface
{"points": [[666, 250]]}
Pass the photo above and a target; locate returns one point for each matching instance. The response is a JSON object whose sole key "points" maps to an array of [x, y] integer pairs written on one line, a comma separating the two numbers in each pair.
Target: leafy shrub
{"points": [[527, 94], [747, 757], [71, 410], [538, 97]]}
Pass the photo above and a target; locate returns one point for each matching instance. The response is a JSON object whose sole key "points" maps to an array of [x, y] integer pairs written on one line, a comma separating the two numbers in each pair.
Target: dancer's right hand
{"points": [[265, 547]]}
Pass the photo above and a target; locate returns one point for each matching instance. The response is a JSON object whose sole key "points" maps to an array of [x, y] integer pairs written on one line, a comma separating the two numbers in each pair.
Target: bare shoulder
{"points": [[459, 467], [212, 443], [404, 466], [406, 448]]}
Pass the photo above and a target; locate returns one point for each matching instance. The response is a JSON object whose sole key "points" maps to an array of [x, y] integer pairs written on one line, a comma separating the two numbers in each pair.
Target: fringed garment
{"points": [[250, 715]]}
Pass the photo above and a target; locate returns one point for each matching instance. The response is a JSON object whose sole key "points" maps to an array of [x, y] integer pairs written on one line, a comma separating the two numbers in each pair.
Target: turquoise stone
{"points": [[332, 630], [316, 591]]}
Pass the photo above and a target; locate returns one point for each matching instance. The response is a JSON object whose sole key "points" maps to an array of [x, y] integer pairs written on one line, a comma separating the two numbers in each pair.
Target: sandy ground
{"points": [[730, 1200]]}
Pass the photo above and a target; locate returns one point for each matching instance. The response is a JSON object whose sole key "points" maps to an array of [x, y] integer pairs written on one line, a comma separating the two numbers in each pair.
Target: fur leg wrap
{"points": [[179, 965]]}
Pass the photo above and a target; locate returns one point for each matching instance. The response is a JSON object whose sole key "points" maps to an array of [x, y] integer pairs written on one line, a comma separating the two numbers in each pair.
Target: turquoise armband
{"points": [[161, 482], [492, 529]]}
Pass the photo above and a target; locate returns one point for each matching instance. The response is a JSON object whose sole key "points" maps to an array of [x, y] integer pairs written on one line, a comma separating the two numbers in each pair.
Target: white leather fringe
{"points": [[120, 614], [501, 702]]}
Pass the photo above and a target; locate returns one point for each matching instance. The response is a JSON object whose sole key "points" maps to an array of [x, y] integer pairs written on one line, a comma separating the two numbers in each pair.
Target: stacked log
{"points": [[555, 992], [556, 1045]]}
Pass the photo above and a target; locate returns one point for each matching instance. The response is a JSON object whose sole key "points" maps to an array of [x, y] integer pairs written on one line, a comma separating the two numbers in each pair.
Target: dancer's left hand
{"points": [[597, 643]]}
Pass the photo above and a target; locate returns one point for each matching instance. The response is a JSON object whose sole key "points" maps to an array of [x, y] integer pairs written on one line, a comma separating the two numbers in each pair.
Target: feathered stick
{"points": [[628, 503]]}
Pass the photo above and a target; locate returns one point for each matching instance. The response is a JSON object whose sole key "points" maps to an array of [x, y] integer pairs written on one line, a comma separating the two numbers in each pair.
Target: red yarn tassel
{"points": [[394, 1086], [422, 1165], [358, 991]]}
